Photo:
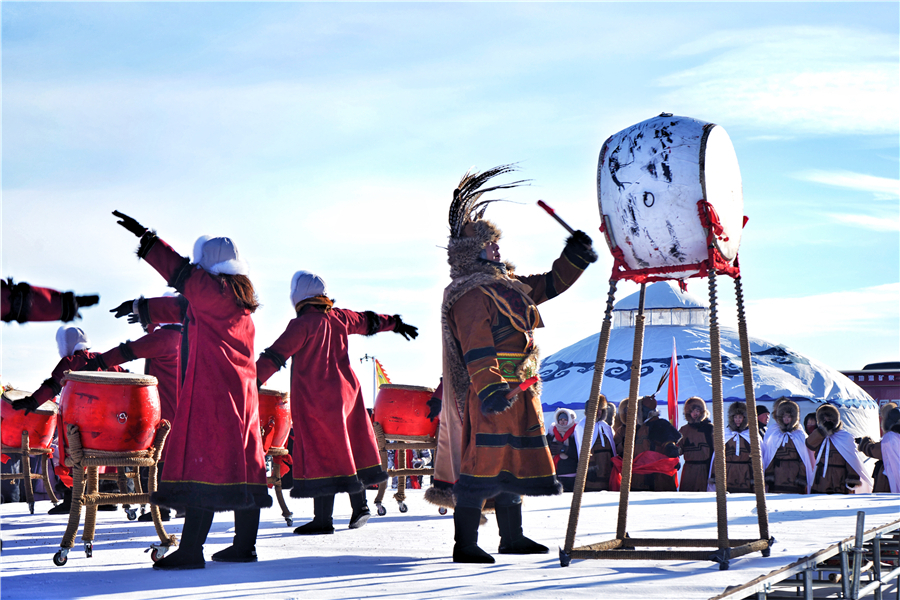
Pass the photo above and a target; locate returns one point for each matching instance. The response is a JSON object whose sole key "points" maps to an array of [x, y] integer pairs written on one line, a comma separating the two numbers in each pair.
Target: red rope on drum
{"points": [[710, 221]]}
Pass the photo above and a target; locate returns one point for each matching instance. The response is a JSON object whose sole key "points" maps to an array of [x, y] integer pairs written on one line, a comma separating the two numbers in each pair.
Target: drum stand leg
{"points": [[382, 451], [400, 496], [45, 475], [275, 481]]}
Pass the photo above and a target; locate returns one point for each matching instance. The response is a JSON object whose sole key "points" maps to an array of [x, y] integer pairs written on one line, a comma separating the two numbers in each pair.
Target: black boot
{"points": [[509, 521], [466, 550], [246, 526], [189, 555], [63, 507], [322, 524], [164, 515], [361, 512]]}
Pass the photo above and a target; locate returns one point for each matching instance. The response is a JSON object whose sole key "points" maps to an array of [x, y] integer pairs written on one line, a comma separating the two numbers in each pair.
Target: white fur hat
{"points": [[219, 256], [69, 339], [306, 285]]}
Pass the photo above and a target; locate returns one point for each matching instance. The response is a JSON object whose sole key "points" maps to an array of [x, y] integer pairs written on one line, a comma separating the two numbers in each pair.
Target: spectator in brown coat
{"points": [[839, 469], [696, 446], [655, 439], [790, 466]]}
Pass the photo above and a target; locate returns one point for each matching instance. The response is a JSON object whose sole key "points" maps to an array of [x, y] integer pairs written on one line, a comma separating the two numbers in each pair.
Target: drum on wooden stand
{"points": [[39, 424], [116, 412], [403, 410], [671, 200]]}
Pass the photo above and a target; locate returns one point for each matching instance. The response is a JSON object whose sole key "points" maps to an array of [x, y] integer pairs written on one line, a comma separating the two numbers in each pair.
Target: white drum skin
{"points": [[649, 179]]}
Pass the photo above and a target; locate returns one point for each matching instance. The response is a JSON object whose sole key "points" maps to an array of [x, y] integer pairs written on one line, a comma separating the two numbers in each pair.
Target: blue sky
{"points": [[329, 136]]}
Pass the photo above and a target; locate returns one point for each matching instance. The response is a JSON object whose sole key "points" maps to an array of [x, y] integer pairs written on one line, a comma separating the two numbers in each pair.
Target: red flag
{"points": [[673, 387]]}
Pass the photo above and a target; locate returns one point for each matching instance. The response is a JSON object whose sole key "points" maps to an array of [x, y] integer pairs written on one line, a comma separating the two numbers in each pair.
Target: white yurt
{"points": [[671, 314]]}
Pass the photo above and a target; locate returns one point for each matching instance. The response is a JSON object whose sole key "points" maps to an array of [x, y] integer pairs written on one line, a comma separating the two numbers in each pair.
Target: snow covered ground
{"points": [[408, 555]]}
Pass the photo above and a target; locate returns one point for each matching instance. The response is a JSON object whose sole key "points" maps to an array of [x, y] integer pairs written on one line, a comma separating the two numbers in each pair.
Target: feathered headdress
{"points": [[467, 205], [469, 231]]}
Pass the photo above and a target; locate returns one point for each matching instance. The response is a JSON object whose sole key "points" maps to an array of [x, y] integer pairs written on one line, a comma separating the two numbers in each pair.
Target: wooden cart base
{"points": [[26, 451], [85, 465], [401, 443]]}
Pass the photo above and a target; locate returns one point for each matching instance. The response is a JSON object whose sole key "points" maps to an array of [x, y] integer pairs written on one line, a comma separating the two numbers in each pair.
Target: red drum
{"points": [[403, 410], [274, 417], [39, 424], [116, 412]]}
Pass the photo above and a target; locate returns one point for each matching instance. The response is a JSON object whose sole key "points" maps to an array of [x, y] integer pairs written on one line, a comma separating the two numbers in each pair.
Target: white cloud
{"points": [[884, 188], [886, 223], [784, 80]]}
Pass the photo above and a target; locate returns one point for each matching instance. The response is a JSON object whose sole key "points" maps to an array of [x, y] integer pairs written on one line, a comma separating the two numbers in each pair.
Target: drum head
{"points": [[267, 391], [47, 408], [723, 189], [110, 378], [408, 388]]}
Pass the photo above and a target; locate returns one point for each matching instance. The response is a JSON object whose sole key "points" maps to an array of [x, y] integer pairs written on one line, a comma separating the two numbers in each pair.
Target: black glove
{"points": [[136, 318], [124, 309], [582, 246], [404, 329], [555, 448], [497, 402], [130, 224], [82, 301], [671, 450], [28, 404], [863, 443], [434, 408]]}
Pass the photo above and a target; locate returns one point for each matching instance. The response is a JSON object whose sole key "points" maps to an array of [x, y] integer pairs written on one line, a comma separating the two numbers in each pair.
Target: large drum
{"points": [[650, 178], [39, 424], [403, 410], [116, 412], [274, 417]]}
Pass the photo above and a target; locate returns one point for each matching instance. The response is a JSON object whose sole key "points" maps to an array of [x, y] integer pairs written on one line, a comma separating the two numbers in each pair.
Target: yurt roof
{"points": [[663, 294], [777, 370]]}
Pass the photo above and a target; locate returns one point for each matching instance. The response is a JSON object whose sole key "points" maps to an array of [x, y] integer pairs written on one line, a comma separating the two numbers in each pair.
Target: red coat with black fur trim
{"points": [[215, 458], [334, 444], [23, 302]]}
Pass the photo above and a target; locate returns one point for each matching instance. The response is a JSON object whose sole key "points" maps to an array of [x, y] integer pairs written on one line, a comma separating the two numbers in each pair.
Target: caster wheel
{"points": [[402, 507], [289, 521], [59, 559], [382, 511], [88, 549], [154, 555], [131, 513], [442, 511]]}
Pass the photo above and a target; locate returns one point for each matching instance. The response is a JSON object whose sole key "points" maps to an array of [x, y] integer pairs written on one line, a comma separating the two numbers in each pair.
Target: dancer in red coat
{"points": [[215, 460], [23, 302], [334, 444]]}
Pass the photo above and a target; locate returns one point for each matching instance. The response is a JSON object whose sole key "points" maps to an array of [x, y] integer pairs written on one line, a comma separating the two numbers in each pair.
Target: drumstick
{"points": [[523, 386], [553, 214]]}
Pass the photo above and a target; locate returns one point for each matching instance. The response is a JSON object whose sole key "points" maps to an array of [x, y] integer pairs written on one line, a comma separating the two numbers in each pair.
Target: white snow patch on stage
{"points": [[408, 555]]}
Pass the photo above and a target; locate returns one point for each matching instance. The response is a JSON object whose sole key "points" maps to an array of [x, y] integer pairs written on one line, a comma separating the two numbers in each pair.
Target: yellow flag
{"points": [[380, 376]]}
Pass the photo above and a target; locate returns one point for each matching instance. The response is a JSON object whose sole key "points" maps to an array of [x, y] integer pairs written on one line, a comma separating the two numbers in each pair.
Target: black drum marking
{"points": [[649, 199], [86, 397], [667, 172], [615, 166], [651, 168], [675, 249], [631, 218]]}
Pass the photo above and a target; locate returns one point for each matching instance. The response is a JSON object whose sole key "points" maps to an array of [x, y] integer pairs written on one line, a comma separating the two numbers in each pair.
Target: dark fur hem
{"points": [[488, 487], [218, 498], [440, 497], [329, 486]]}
